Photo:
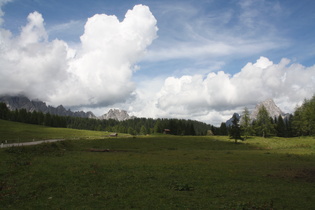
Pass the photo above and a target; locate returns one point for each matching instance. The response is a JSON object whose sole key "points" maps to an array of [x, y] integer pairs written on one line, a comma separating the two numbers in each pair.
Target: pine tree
{"points": [[143, 130], [281, 127], [4, 111], [264, 126], [131, 131], [223, 129], [304, 118], [245, 123], [235, 131], [158, 126]]}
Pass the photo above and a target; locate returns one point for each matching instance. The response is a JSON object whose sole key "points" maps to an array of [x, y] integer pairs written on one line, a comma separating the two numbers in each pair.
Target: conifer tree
{"points": [[143, 130], [281, 127], [235, 131], [304, 118], [264, 126], [4, 111], [245, 123], [223, 129], [158, 127]]}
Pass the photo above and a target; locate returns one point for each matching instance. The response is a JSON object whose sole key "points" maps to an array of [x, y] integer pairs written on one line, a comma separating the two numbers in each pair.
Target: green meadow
{"points": [[157, 172], [15, 132]]}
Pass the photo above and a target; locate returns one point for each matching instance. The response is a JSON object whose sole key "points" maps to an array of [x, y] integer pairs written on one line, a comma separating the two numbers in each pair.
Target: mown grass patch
{"points": [[163, 172]]}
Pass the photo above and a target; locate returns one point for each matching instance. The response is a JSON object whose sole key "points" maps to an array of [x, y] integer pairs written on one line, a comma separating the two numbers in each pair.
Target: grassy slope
{"points": [[19, 132], [161, 172]]}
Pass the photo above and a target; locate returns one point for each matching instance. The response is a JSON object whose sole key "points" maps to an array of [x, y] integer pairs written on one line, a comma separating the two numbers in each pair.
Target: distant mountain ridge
{"points": [[22, 102]]}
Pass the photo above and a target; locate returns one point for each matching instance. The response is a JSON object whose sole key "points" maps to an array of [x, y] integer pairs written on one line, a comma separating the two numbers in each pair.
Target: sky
{"points": [[200, 60]]}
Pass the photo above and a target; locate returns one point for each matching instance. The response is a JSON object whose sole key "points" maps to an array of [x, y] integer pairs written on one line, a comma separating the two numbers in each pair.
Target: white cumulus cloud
{"points": [[98, 72], [29, 64], [215, 96]]}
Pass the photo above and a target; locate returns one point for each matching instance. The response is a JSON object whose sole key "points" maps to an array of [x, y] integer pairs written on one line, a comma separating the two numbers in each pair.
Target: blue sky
{"points": [[196, 51]]}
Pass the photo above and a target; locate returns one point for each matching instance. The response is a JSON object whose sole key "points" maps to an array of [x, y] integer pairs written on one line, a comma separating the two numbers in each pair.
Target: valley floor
{"points": [[161, 172]]}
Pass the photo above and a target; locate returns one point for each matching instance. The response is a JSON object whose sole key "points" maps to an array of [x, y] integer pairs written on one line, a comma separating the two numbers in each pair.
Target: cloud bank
{"points": [[214, 97], [99, 72]]}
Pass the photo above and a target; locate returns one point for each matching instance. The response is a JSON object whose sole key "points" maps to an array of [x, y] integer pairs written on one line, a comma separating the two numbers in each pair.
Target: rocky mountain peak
{"points": [[116, 114], [271, 107]]}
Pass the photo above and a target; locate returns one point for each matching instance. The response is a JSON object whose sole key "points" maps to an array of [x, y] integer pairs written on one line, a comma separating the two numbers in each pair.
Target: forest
{"points": [[136, 126], [300, 123]]}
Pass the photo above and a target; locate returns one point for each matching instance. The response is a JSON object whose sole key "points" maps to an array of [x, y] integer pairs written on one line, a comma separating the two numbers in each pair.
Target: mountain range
{"points": [[22, 102]]}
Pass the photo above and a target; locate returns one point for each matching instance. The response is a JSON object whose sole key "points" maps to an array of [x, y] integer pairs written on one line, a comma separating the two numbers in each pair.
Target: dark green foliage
{"points": [[281, 128], [235, 130], [4, 111], [263, 124], [223, 131], [158, 127], [143, 130], [303, 121], [245, 123], [132, 126]]}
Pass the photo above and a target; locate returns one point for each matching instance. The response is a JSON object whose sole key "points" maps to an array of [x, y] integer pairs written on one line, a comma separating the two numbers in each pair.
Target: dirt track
{"points": [[29, 143]]}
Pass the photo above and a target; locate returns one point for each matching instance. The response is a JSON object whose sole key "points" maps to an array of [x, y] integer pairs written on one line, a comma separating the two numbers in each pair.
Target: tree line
{"points": [[301, 123], [134, 126]]}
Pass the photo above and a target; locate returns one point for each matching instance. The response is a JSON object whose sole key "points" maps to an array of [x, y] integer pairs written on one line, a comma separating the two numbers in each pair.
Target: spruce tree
{"points": [[281, 127], [143, 130], [235, 130], [223, 129], [158, 126], [4, 111], [264, 126], [245, 123]]}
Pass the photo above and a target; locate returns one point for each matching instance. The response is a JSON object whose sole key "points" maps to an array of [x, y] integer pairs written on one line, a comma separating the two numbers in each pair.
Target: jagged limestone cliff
{"points": [[116, 114], [22, 102], [272, 109]]}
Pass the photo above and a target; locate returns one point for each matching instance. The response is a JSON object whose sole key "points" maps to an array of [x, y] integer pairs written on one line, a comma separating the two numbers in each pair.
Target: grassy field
{"points": [[160, 172], [14, 132]]}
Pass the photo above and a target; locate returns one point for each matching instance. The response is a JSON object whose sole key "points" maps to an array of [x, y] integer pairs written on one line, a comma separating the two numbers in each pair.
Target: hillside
{"points": [[13, 132]]}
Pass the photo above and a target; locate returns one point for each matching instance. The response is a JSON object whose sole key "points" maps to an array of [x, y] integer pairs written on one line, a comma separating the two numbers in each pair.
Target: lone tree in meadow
{"points": [[235, 131]]}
